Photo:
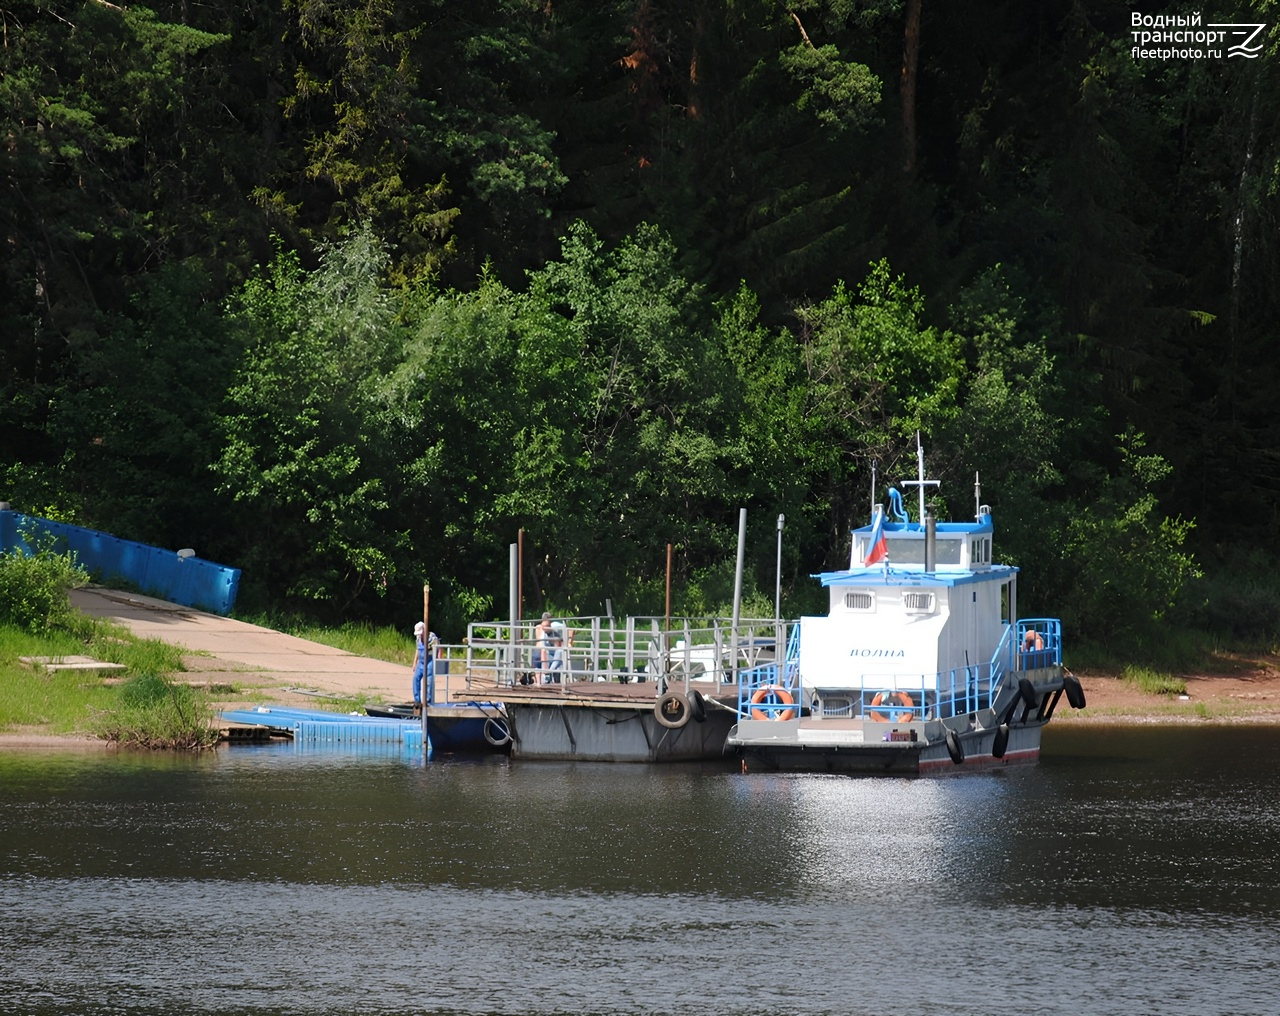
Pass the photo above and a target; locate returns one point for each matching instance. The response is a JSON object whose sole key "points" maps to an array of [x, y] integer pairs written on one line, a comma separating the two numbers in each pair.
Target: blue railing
{"points": [[189, 581], [1001, 663], [1039, 643], [772, 690]]}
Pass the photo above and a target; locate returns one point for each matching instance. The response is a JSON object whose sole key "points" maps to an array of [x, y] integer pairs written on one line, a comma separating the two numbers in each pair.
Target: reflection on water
{"points": [[1131, 871]]}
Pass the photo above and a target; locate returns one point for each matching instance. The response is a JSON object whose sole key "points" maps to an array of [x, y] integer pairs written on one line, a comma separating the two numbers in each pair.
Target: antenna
{"points": [[920, 481], [874, 463], [977, 496]]}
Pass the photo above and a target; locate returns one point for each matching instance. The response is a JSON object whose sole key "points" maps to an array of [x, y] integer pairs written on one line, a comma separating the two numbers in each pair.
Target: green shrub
{"points": [[143, 691], [33, 589], [155, 713]]}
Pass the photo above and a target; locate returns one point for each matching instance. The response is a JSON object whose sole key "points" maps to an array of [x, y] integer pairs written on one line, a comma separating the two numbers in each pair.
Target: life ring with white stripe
{"points": [[772, 695], [884, 699]]}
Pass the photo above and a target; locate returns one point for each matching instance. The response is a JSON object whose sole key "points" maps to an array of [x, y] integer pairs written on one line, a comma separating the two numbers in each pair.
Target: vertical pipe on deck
{"points": [[514, 604], [688, 654], [430, 649], [668, 587], [737, 591], [777, 584], [930, 543]]}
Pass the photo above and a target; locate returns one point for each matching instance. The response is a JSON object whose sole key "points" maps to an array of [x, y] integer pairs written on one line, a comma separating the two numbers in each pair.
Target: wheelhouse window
{"points": [[903, 550]]}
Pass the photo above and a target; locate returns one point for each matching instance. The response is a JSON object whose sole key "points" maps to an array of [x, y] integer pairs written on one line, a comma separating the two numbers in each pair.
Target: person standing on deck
{"points": [[424, 665], [561, 639], [542, 639]]}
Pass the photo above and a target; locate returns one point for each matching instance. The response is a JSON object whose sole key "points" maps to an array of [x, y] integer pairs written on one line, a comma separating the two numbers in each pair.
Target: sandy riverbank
{"points": [[1246, 691]]}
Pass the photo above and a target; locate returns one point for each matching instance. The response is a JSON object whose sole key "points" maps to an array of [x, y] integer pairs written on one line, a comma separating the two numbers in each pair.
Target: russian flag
{"points": [[878, 545]]}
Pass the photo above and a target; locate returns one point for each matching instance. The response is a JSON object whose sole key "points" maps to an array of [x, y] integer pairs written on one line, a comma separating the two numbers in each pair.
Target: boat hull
{"points": [[899, 758], [601, 732], [858, 745], [462, 734], [455, 727]]}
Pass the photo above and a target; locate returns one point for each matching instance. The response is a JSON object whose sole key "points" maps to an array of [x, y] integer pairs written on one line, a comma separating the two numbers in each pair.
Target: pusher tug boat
{"points": [[920, 665]]}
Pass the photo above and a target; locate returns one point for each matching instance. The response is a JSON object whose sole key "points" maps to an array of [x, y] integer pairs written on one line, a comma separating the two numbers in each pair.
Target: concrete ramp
{"points": [[295, 661]]}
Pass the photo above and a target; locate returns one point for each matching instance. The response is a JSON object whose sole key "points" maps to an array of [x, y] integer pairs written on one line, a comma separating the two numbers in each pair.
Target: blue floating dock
{"points": [[314, 726]]}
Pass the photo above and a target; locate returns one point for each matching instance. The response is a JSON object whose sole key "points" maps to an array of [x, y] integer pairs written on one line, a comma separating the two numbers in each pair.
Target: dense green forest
{"points": [[348, 294]]}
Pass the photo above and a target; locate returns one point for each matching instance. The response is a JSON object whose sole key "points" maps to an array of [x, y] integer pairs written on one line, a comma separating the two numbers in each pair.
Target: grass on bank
{"points": [[145, 709], [384, 642], [153, 712], [1153, 682]]}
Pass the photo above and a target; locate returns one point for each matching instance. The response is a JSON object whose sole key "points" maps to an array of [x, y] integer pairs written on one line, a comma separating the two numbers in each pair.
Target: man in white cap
{"points": [[422, 665]]}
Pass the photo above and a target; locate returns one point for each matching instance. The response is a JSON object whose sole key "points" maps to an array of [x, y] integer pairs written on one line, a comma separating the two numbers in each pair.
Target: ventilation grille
{"points": [[921, 603], [859, 601]]}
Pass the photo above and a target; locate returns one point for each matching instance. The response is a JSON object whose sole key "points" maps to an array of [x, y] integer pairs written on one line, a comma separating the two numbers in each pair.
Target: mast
{"points": [[920, 482]]}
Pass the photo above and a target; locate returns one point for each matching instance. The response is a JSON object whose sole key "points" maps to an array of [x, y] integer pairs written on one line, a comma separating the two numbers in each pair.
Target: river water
{"points": [[1133, 870]]}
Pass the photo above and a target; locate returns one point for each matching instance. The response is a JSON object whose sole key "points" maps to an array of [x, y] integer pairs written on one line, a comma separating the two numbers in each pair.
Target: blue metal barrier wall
{"points": [[190, 581]]}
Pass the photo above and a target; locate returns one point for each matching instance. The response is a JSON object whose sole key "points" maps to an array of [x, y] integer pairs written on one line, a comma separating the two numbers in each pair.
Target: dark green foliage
{"points": [[137, 412], [599, 271]]}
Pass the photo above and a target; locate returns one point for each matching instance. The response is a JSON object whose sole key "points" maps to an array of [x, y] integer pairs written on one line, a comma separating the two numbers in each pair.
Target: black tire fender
{"points": [[496, 732], [1010, 709], [954, 748], [672, 710], [1075, 693], [697, 706], [1028, 692], [1001, 742]]}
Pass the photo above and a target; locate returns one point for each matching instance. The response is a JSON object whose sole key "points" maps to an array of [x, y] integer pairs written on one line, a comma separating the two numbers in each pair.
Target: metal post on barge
{"points": [[777, 577], [514, 608], [737, 592]]}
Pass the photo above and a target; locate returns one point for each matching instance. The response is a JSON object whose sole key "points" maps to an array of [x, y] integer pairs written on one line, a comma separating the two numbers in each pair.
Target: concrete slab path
{"points": [[245, 648]]}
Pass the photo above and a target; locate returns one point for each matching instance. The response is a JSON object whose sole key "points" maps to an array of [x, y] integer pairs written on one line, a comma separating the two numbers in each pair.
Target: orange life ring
{"points": [[883, 699], [778, 695]]}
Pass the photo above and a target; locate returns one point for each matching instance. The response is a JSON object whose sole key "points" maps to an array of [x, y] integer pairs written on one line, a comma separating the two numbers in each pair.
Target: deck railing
{"points": [[1039, 643], [772, 691], [598, 649]]}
